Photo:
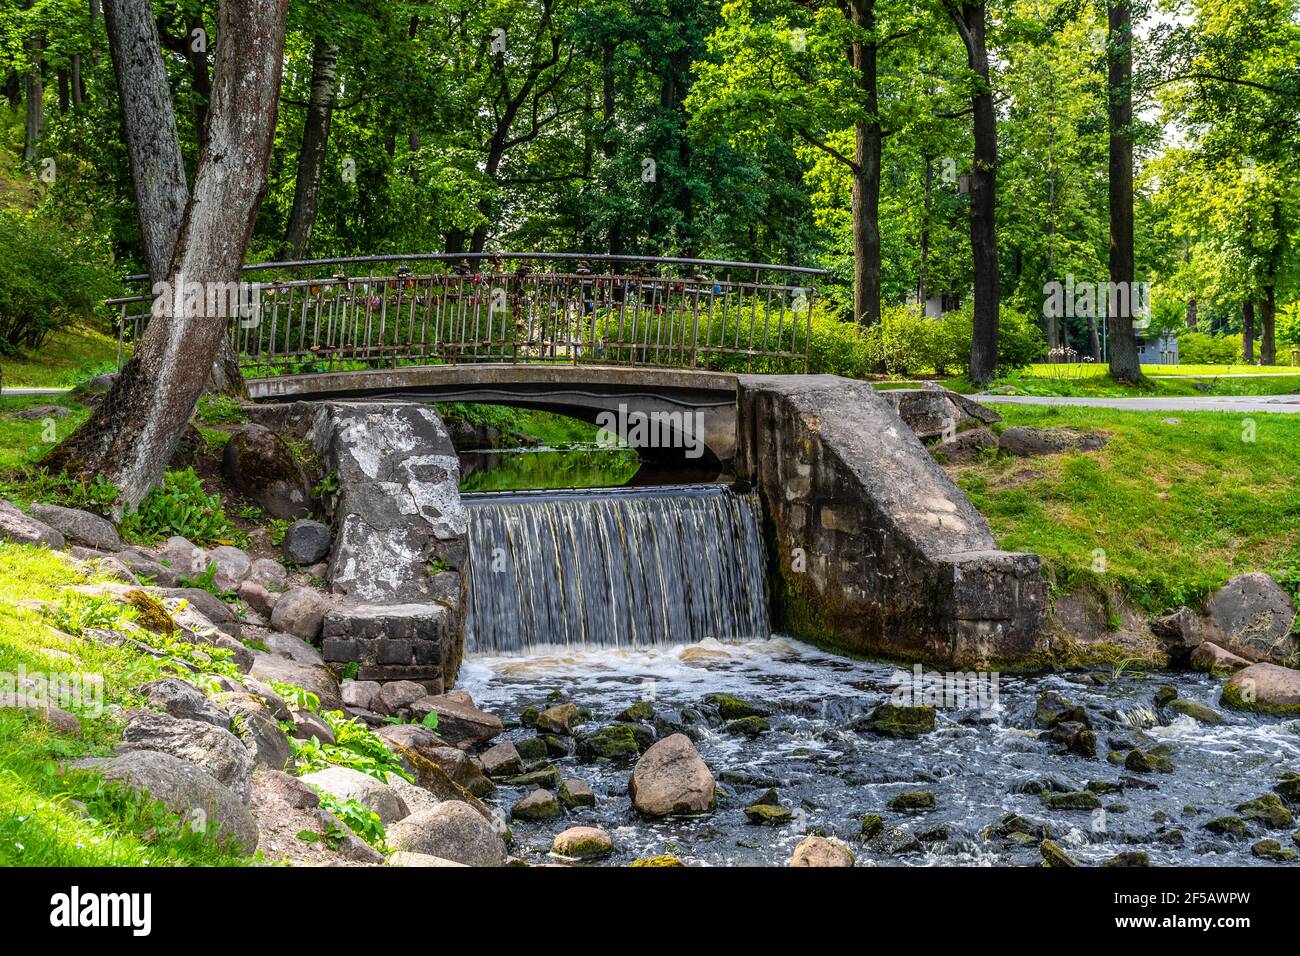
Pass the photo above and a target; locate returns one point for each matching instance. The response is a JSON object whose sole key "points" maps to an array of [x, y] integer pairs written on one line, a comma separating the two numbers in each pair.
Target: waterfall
{"points": [[618, 567]]}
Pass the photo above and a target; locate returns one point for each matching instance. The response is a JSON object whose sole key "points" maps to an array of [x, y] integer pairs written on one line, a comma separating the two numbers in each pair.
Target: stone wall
{"points": [[874, 549], [399, 541]]}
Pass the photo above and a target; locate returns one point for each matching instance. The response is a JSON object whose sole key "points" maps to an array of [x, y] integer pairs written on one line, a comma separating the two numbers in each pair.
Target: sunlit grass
{"points": [[68, 357]]}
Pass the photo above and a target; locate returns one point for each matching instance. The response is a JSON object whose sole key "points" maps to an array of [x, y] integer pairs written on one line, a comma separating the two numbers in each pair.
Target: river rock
{"points": [[1267, 811], [186, 789], [1289, 787], [502, 760], [1075, 738], [19, 527], [258, 729], [261, 466], [460, 767], [360, 694], [406, 858], [1214, 660], [459, 721], [1273, 850], [766, 814], [821, 851], [576, 793], [1264, 688], [1053, 855], [319, 680], [1195, 710], [232, 564], [1179, 632], [582, 843], [1130, 858], [205, 745], [300, 612], [397, 696], [294, 648], [453, 831], [80, 526], [894, 720], [733, 708], [1229, 826], [672, 779], [1252, 616], [912, 801], [306, 542], [560, 719], [181, 699], [1025, 441], [538, 805], [1051, 709], [616, 743], [348, 784]]}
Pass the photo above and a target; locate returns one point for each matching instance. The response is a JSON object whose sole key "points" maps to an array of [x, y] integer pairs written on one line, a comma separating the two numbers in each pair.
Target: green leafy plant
{"points": [[74, 613], [206, 580], [221, 410], [179, 506], [358, 818]]}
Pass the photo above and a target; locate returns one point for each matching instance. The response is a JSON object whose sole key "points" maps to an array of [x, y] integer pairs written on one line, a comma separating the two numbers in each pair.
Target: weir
{"points": [[618, 567]]}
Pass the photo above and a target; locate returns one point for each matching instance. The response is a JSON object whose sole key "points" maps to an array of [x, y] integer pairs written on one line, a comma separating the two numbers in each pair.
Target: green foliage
{"points": [[358, 818], [907, 343], [45, 284], [28, 484], [206, 580], [73, 613], [221, 410], [355, 746], [179, 506], [1197, 348]]}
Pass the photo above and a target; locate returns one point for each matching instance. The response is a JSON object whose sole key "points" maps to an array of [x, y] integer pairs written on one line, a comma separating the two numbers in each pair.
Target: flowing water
{"points": [[621, 568], [616, 597]]}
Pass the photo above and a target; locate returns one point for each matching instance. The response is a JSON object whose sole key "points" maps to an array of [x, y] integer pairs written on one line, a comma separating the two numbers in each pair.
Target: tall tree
{"points": [[311, 157], [1121, 341], [132, 435], [969, 18]]}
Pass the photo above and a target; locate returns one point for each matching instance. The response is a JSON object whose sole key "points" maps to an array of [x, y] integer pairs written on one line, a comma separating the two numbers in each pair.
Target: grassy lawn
{"points": [[49, 817], [1093, 369], [1100, 385], [68, 357], [1175, 508]]}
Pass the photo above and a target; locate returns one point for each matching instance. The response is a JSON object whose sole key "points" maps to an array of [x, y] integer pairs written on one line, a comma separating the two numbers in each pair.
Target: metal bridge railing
{"points": [[393, 310]]}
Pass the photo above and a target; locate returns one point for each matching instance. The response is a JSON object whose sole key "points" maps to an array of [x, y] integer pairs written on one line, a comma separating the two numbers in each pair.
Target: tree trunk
{"points": [[65, 94], [1094, 339], [1121, 342], [311, 158], [149, 125], [78, 88], [199, 78], [923, 270], [35, 95], [983, 195], [132, 435], [13, 90], [1191, 312], [1267, 317], [866, 176], [1248, 332]]}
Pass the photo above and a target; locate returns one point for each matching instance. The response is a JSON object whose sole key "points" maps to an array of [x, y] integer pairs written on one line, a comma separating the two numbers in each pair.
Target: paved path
{"points": [[16, 392], [1236, 404]]}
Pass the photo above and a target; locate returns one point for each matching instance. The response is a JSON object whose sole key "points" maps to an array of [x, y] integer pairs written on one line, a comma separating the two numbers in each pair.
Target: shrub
{"points": [[1197, 348], [910, 344], [179, 506], [46, 282]]}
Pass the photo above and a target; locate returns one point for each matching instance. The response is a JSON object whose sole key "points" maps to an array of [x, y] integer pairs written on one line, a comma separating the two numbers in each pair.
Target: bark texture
{"points": [[135, 430], [868, 137], [1120, 341], [311, 158]]}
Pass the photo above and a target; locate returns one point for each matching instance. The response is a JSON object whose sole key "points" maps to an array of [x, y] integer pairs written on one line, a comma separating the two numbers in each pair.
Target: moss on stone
{"points": [[1075, 800], [871, 826], [748, 727], [912, 801], [664, 860], [1053, 855], [640, 712], [1232, 698], [1268, 811], [1230, 826], [768, 815], [150, 613], [894, 720], [615, 743]]}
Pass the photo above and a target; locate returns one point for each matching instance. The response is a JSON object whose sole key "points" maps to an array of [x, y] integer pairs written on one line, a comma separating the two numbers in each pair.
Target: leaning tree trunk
{"points": [[969, 20], [134, 432], [1121, 341], [311, 158]]}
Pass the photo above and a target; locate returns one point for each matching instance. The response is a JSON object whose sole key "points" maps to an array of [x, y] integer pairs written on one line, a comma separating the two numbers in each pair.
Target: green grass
{"points": [[49, 817], [23, 441], [1177, 509], [68, 357], [1103, 386], [1093, 369]]}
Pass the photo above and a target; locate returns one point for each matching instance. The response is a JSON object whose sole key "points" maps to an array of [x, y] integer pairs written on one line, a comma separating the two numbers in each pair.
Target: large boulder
{"points": [[459, 721], [319, 680], [261, 466], [671, 779], [80, 526], [24, 529], [258, 729], [300, 612], [184, 700], [1025, 440], [1214, 660], [348, 784], [1179, 632], [1252, 617], [582, 843], [184, 788], [205, 745], [453, 831], [1263, 688]]}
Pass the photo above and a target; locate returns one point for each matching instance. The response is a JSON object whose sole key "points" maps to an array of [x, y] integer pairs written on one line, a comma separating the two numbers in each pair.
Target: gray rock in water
{"points": [[453, 831], [671, 779], [348, 784], [306, 542], [300, 612], [261, 466], [180, 699], [186, 789], [1179, 633], [216, 750], [1252, 616], [80, 526], [19, 527]]}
